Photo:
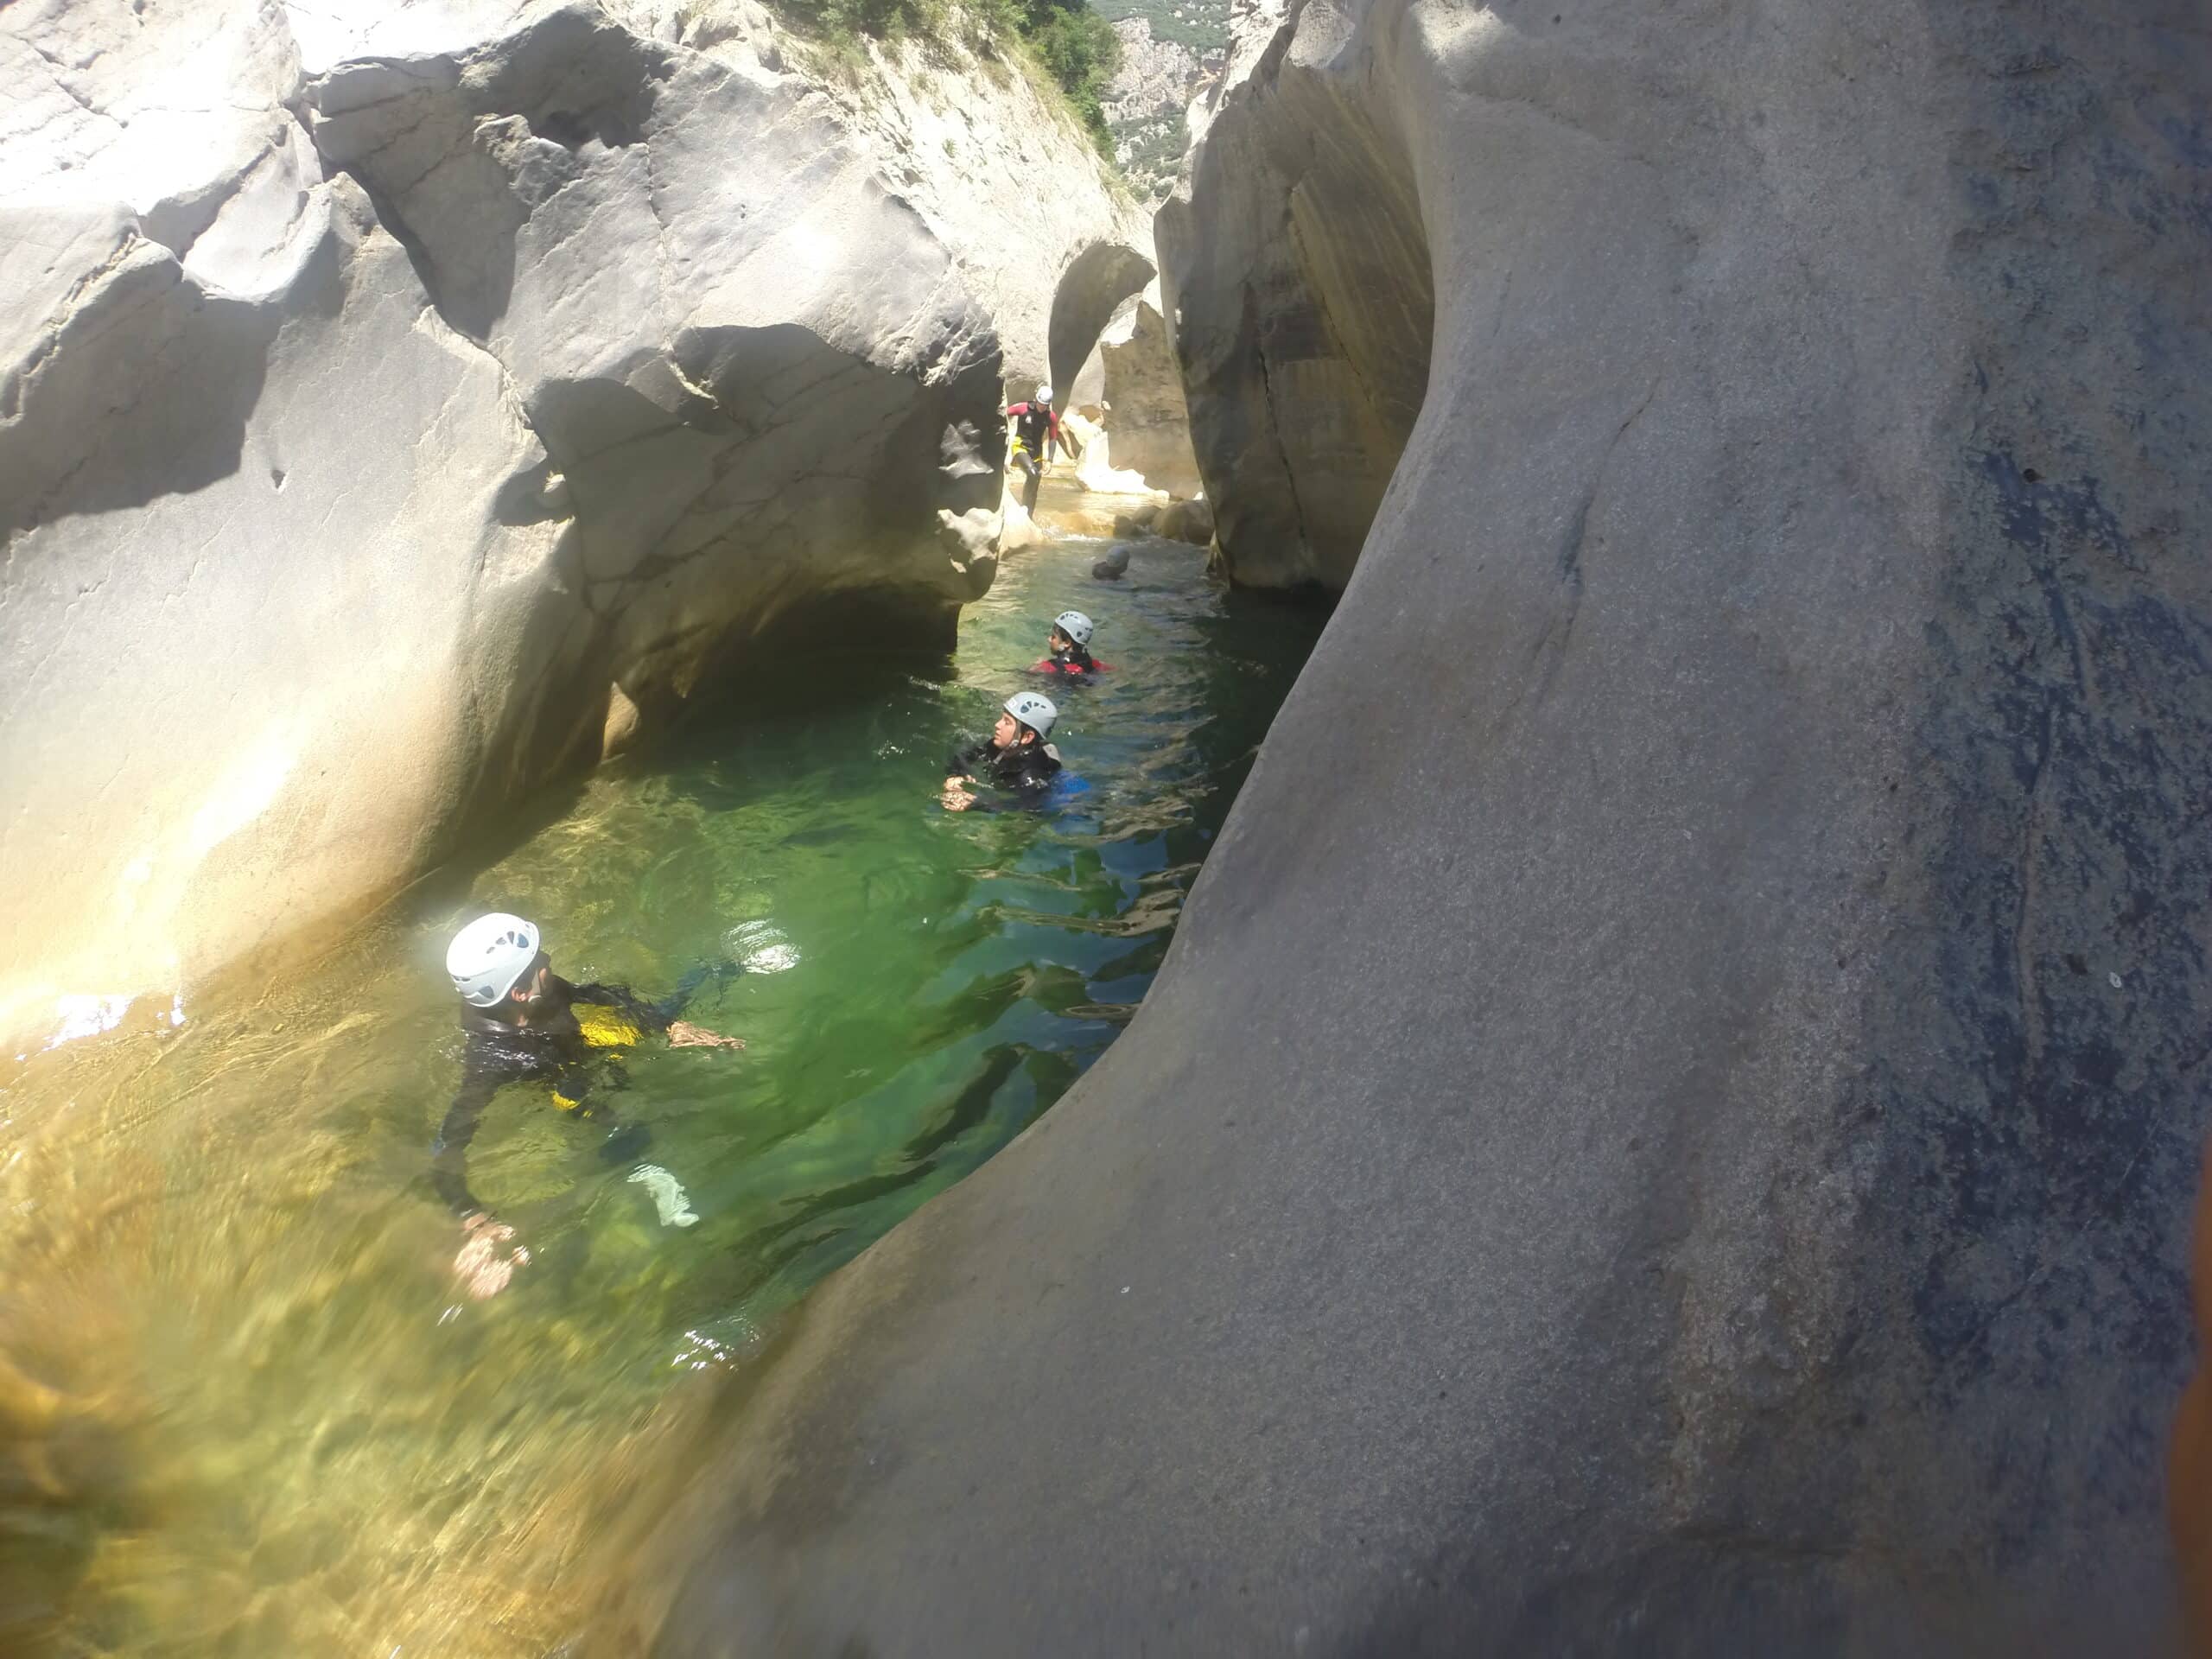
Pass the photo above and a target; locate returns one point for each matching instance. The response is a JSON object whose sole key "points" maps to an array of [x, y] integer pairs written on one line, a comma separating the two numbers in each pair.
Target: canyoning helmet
{"points": [[1035, 712], [487, 956], [1075, 624], [1044, 394]]}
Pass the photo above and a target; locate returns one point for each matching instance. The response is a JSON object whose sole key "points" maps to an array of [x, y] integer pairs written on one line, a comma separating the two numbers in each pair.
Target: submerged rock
{"points": [[1174, 521], [1668, 1122]]}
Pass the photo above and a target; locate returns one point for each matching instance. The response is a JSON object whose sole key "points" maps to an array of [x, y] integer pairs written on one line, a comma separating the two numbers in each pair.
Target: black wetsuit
{"points": [[558, 1052], [1071, 659], [1037, 428], [1025, 771]]}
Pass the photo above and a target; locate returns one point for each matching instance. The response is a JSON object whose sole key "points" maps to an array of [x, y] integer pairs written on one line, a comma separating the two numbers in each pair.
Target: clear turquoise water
{"points": [[251, 1414]]}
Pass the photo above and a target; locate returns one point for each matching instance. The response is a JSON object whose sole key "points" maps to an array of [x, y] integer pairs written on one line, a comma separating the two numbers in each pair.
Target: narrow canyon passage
{"points": [[275, 1425]]}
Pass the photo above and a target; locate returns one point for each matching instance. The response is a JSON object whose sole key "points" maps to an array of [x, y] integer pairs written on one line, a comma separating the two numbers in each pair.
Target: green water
{"points": [[244, 1406]]}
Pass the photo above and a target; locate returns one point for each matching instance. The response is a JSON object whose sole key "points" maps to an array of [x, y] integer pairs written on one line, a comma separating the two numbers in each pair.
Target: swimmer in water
{"points": [[525, 1023], [1014, 758], [1067, 649]]}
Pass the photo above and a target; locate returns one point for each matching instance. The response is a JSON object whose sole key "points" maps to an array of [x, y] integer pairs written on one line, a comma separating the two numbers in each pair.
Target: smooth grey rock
{"points": [[1297, 262], [1253, 25], [1132, 386], [740, 373], [399, 405], [1086, 394], [1668, 1124], [1094, 285]]}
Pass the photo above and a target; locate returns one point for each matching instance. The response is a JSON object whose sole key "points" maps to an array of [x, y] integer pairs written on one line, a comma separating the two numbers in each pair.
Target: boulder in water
{"points": [[1185, 521], [1138, 521]]}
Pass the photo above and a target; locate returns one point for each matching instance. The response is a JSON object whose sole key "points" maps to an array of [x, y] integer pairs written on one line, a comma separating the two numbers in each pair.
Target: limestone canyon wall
{"points": [[1132, 385], [393, 401], [1296, 262], [1668, 1121]]}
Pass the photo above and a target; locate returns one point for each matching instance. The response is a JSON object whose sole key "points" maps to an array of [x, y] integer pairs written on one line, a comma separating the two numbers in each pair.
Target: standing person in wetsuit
{"points": [[1067, 648], [1014, 758], [1036, 430], [525, 1022]]}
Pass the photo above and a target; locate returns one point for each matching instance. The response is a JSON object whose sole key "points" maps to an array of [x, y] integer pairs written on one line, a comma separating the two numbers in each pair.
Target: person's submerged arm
{"points": [[449, 1152], [661, 1016], [489, 1256], [646, 1015], [689, 983]]}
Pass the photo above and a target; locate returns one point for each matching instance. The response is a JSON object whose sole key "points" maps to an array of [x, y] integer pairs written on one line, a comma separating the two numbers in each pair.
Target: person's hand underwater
{"points": [[483, 1270], [684, 1034], [955, 798]]}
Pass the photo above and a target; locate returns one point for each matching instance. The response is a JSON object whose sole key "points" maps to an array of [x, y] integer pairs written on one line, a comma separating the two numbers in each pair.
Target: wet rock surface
{"points": [[1668, 1124]]}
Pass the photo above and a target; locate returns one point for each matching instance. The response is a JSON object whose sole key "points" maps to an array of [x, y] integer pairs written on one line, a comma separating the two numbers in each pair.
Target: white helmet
{"points": [[1035, 712], [487, 956], [1044, 394], [1075, 624]]}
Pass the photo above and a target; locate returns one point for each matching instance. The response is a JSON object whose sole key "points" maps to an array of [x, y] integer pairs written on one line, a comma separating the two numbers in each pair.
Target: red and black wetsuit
{"points": [[1074, 661], [1034, 424]]}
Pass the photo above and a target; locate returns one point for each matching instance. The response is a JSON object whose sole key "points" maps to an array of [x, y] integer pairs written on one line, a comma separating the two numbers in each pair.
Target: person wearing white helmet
{"points": [[1037, 430], [1067, 648], [523, 1022], [1014, 758]]}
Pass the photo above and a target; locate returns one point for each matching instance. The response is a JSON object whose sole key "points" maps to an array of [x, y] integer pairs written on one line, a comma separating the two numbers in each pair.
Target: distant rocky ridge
{"points": [[1155, 77], [1161, 74]]}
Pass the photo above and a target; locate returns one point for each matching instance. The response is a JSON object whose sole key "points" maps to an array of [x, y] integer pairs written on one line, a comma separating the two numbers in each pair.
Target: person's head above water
{"points": [[496, 964], [1070, 628], [1028, 719]]}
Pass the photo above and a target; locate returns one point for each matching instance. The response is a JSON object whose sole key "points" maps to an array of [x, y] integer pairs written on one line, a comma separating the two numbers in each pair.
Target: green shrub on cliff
{"points": [[1078, 49], [1075, 47]]}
